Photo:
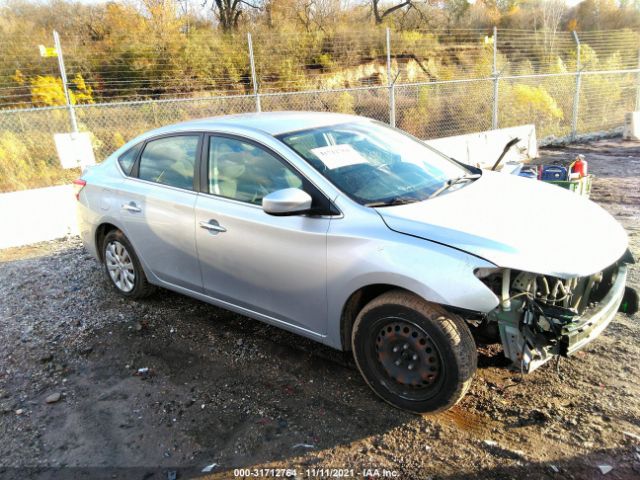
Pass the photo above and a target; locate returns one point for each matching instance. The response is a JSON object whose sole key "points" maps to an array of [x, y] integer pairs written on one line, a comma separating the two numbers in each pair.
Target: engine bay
{"points": [[541, 316]]}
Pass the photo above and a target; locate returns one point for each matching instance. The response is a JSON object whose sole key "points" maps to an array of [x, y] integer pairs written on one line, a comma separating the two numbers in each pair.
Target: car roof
{"points": [[273, 123]]}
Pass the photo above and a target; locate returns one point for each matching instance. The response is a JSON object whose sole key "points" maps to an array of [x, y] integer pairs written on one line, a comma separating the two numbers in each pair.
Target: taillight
{"points": [[78, 185]]}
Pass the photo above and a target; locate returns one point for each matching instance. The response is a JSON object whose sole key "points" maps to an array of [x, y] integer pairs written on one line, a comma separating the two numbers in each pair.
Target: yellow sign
{"points": [[47, 51]]}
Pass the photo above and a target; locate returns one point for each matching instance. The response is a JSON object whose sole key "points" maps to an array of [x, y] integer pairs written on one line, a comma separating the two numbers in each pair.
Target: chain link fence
{"points": [[431, 85]]}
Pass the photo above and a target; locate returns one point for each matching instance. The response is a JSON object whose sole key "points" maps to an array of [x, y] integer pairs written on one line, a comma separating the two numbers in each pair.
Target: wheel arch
{"points": [[100, 234], [355, 303]]}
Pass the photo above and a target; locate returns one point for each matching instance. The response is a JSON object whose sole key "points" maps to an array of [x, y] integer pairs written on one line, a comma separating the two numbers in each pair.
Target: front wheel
{"points": [[413, 354]]}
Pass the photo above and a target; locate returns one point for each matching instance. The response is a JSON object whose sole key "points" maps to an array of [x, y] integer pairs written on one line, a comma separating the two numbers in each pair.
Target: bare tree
{"points": [[379, 12], [551, 13], [229, 12], [317, 13]]}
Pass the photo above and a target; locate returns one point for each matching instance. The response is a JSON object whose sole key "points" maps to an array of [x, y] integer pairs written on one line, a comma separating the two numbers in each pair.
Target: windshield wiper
{"points": [[391, 202], [450, 183]]}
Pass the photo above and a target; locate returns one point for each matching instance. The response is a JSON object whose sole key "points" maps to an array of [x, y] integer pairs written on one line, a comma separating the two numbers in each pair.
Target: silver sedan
{"points": [[359, 236]]}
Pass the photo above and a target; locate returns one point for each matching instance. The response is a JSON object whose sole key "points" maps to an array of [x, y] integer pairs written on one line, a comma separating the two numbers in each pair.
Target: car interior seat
{"points": [[224, 180]]}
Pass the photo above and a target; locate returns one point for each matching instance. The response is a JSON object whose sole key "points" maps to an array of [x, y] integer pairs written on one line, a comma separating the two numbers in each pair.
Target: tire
{"points": [[413, 354], [122, 266]]}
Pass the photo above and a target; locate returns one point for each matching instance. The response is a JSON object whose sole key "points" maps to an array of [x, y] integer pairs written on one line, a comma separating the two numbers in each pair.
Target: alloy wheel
{"points": [[120, 266]]}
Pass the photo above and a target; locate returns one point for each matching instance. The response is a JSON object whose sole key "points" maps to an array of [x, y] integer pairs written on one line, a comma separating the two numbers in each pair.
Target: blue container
{"points": [[553, 173], [528, 173]]}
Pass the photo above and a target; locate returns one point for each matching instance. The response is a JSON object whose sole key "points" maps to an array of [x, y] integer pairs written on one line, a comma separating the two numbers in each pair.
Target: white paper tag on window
{"points": [[336, 156]]}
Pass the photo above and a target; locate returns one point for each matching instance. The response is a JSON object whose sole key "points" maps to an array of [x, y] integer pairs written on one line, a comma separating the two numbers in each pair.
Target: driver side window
{"points": [[243, 171]]}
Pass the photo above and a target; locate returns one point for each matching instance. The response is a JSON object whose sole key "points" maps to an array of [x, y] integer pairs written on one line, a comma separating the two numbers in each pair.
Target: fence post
{"points": [[254, 80], [154, 113], [494, 117], [63, 75], [576, 98], [391, 82], [638, 85]]}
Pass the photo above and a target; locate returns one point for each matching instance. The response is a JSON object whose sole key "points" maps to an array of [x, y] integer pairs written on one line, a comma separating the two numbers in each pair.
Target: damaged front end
{"points": [[540, 316]]}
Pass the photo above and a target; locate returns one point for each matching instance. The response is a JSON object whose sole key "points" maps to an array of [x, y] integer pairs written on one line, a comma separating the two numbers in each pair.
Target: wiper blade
{"points": [[450, 183], [391, 202]]}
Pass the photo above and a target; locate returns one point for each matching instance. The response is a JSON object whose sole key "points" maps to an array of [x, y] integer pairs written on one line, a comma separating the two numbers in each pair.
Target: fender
{"points": [[435, 272]]}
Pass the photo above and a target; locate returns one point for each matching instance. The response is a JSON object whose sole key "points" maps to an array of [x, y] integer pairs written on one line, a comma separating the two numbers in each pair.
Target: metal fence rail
{"points": [[565, 85]]}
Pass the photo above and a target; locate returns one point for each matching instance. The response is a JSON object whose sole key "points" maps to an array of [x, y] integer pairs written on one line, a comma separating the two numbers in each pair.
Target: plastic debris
{"points": [[490, 443], [604, 469], [208, 468], [144, 373], [303, 445], [554, 468]]}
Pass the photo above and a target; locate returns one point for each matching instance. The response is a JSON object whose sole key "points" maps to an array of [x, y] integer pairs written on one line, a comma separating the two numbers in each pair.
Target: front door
{"points": [[272, 265]]}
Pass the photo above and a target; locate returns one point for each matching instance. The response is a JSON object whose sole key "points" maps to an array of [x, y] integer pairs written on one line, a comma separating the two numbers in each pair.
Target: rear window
{"points": [[128, 158], [170, 161]]}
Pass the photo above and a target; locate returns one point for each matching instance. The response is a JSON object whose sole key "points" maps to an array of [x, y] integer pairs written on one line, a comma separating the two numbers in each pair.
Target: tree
{"points": [[551, 12], [379, 12], [316, 14], [229, 12]]}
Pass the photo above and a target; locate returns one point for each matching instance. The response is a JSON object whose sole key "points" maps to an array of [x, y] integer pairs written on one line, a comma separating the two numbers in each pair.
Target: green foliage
{"points": [[48, 91], [344, 103], [119, 51], [20, 169], [14, 169], [536, 103]]}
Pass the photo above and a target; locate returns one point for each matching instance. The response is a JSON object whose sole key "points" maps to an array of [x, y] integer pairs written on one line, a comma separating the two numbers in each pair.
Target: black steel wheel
{"points": [[408, 357], [413, 354]]}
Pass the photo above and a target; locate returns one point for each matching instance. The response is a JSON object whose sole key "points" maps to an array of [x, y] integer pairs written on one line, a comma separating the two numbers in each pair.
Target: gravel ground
{"points": [[224, 389]]}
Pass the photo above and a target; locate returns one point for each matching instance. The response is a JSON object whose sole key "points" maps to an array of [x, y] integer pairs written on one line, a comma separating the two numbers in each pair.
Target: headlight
{"points": [[485, 272]]}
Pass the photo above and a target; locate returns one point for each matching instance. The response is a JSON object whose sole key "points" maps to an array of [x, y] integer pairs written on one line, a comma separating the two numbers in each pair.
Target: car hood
{"points": [[517, 223]]}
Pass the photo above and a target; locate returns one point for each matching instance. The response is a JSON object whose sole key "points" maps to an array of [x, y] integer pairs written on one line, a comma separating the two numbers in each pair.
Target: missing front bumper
{"points": [[529, 350], [591, 324]]}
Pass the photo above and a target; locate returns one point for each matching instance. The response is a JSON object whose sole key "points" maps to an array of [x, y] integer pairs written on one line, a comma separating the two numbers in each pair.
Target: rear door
{"points": [[272, 265], [157, 208]]}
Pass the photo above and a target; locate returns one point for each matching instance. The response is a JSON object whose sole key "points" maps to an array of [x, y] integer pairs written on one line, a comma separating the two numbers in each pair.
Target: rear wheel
{"points": [[123, 267], [413, 354]]}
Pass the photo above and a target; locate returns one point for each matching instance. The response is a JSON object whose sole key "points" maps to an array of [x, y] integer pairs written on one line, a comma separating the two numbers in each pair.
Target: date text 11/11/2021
{"points": [[316, 473]]}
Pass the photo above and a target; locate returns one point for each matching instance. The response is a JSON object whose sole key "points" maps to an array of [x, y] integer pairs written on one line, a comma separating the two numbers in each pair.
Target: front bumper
{"points": [[591, 323]]}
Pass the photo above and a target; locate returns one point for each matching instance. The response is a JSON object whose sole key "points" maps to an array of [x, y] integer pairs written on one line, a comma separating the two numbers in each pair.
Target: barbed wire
{"points": [[298, 61]]}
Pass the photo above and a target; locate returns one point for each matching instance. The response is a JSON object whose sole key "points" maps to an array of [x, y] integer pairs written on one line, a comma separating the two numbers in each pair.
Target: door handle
{"points": [[213, 226], [131, 207]]}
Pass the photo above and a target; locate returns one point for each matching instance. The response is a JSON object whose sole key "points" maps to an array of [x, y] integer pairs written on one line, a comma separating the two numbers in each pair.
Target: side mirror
{"points": [[288, 201]]}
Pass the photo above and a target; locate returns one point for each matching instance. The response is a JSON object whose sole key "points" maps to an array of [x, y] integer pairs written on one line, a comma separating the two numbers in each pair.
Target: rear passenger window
{"points": [[170, 161], [127, 159]]}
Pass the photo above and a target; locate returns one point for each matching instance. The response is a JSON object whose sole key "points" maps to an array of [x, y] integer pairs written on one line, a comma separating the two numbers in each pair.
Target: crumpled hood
{"points": [[517, 223]]}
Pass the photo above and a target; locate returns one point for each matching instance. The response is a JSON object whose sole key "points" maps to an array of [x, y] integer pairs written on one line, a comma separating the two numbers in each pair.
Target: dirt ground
{"points": [[222, 389]]}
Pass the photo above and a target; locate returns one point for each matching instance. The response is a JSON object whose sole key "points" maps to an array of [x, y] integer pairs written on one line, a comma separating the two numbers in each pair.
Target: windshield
{"points": [[373, 164]]}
